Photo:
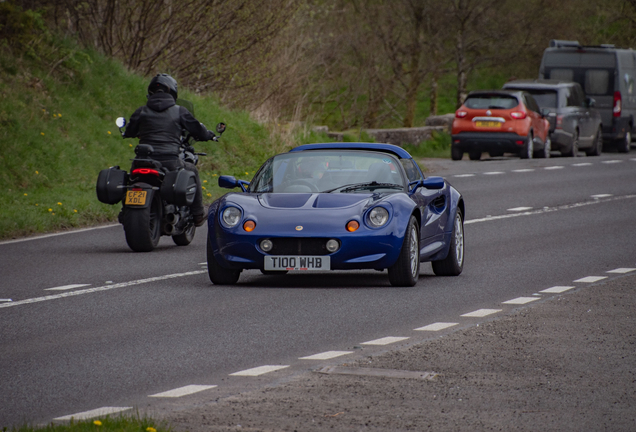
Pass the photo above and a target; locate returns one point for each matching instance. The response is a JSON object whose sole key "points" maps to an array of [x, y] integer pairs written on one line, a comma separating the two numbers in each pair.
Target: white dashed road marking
{"points": [[182, 391], [600, 196], [479, 313], [582, 164], [622, 270], [66, 287], [557, 289], [556, 167], [521, 300], [326, 355], [6, 300], [385, 341], [591, 279], [464, 175], [494, 173], [612, 161], [259, 370], [518, 209], [93, 413], [523, 170], [437, 326]]}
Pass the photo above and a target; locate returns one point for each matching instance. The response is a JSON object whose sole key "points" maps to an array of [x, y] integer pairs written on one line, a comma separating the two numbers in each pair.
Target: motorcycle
{"points": [[155, 201]]}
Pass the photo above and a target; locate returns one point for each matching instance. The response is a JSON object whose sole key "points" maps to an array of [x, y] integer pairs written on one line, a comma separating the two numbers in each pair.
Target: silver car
{"points": [[574, 122]]}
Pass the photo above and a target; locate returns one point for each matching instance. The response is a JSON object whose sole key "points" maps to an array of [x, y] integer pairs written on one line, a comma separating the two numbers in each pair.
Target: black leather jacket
{"points": [[160, 123]]}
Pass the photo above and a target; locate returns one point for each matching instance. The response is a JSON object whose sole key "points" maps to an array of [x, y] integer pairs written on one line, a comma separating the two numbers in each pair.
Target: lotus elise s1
{"points": [[337, 206]]}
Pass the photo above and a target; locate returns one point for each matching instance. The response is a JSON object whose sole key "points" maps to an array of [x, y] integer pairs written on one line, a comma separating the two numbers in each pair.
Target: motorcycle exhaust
{"points": [[168, 228], [173, 218]]}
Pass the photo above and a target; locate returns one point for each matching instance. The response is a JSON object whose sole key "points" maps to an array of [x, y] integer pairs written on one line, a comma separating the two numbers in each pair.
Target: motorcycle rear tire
{"points": [[143, 226], [186, 237]]}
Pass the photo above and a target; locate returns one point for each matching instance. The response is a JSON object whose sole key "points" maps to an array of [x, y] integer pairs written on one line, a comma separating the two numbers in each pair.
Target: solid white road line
{"points": [[549, 209], [480, 313], [66, 287], [437, 326], [621, 270], [521, 300], [591, 279], [557, 289], [385, 340], [259, 370], [93, 413], [326, 355], [57, 234], [102, 288], [183, 391]]}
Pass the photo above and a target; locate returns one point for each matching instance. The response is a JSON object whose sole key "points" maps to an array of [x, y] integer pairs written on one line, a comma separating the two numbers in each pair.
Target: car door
{"points": [[540, 125], [576, 102], [433, 204]]}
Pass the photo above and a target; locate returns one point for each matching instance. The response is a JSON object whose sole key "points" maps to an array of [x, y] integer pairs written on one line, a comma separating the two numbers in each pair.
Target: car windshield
{"points": [[329, 171], [495, 101]]}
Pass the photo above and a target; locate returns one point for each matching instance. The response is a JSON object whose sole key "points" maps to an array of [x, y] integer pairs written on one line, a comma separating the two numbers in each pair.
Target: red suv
{"points": [[498, 122]]}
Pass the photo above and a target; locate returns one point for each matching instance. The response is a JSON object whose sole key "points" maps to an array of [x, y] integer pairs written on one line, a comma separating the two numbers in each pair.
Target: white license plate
{"points": [[283, 263]]}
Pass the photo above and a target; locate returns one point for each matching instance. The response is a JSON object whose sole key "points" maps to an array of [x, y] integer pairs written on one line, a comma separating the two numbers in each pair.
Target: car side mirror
{"points": [[545, 112], [590, 102], [433, 183], [228, 182]]}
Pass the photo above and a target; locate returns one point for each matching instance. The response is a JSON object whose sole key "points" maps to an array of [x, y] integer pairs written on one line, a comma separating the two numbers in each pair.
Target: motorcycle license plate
{"points": [[284, 263], [135, 197]]}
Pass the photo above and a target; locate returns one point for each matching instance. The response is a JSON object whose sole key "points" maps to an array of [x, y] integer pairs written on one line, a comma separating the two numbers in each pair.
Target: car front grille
{"points": [[299, 246]]}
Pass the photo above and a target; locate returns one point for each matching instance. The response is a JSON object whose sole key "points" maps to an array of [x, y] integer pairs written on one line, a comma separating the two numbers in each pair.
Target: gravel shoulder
{"points": [[566, 363]]}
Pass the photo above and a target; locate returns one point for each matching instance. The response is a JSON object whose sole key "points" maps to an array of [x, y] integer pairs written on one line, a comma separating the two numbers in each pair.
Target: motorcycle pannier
{"points": [[179, 187], [110, 184]]}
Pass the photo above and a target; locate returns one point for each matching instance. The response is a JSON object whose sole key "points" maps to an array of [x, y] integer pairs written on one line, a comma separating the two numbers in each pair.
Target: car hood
{"points": [[316, 200]]}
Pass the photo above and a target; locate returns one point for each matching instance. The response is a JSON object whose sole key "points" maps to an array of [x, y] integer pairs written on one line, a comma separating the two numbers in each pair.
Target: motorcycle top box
{"points": [[111, 185]]}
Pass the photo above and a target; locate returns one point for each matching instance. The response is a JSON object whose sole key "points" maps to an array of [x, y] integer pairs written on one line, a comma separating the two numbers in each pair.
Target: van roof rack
{"points": [[556, 43]]}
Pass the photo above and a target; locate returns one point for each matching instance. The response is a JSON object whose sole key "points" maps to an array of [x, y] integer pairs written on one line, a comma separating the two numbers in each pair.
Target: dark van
{"points": [[607, 75]]}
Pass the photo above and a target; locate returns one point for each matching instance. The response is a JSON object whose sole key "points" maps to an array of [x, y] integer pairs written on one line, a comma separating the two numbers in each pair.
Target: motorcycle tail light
{"points": [[146, 171]]}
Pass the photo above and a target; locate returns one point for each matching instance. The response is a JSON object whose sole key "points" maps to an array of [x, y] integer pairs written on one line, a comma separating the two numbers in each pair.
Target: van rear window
{"points": [[597, 82], [491, 102], [586, 59]]}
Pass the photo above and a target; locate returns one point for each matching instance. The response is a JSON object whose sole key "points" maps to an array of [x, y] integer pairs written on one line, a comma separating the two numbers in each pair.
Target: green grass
{"points": [[437, 147], [57, 129], [119, 423]]}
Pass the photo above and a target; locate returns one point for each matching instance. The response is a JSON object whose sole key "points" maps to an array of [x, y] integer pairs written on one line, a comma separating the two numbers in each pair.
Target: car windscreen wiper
{"points": [[368, 185]]}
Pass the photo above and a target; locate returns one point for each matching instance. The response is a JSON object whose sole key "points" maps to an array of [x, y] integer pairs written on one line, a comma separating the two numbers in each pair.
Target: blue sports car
{"points": [[337, 206]]}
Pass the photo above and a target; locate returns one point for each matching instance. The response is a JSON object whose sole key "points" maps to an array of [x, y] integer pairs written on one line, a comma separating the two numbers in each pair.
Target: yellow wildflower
{"points": [[50, 210], [209, 194], [25, 195], [108, 132], [247, 173], [59, 203], [59, 115], [205, 181], [97, 423], [37, 172], [42, 133], [75, 210], [202, 187], [151, 429], [213, 175]]}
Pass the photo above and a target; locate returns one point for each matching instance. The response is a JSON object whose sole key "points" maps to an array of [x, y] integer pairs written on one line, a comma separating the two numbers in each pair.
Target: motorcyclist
{"points": [[161, 123]]}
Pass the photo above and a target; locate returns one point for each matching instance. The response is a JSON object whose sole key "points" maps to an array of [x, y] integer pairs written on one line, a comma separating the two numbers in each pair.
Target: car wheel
{"points": [[218, 274], [625, 144], [456, 154], [406, 269], [474, 155], [574, 148], [597, 147], [527, 149], [545, 152], [453, 264]]}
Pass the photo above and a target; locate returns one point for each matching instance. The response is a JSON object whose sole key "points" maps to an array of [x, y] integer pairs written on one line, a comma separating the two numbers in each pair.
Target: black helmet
{"points": [[164, 83]]}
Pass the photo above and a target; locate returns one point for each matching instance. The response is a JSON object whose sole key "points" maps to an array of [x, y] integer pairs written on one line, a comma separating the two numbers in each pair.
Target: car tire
{"points": [[142, 226], [474, 155], [218, 274], [573, 151], [406, 270], [545, 152], [453, 264], [527, 149], [625, 144], [456, 154], [186, 237], [597, 146]]}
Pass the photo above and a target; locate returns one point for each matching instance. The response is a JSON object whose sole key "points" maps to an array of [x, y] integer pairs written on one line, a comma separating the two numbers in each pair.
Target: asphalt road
{"points": [[120, 328]]}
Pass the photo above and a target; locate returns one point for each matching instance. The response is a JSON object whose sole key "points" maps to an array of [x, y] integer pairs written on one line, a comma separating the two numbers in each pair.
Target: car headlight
{"points": [[231, 217], [378, 217]]}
